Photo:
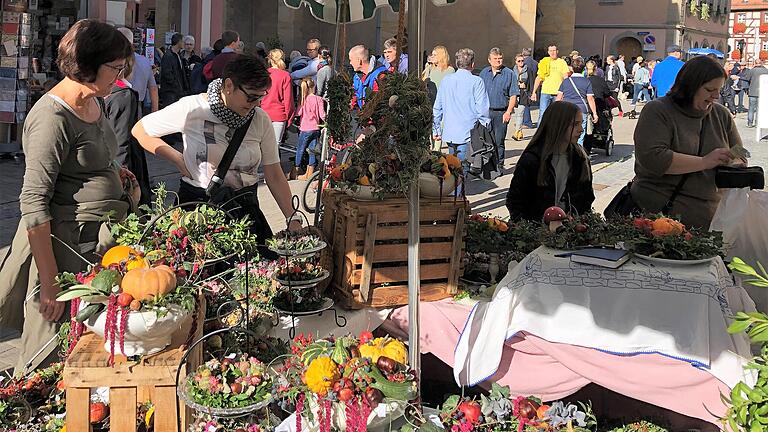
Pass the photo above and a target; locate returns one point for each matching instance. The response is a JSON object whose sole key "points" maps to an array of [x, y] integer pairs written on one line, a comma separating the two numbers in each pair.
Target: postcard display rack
{"points": [[14, 71]]}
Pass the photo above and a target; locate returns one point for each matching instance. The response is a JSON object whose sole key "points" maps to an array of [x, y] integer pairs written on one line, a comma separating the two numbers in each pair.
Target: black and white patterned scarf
{"points": [[230, 118]]}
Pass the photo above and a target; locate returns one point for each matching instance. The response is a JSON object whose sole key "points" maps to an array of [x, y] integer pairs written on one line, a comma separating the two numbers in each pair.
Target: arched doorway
{"points": [[629, 47]]}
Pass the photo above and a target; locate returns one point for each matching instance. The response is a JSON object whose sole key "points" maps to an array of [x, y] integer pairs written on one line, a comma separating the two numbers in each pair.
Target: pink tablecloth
{"points": [[533, 366]]}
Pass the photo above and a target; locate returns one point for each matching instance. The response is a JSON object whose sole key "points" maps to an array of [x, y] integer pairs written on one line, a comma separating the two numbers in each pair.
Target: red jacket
{"points": [[278, 103], [215, 67]]}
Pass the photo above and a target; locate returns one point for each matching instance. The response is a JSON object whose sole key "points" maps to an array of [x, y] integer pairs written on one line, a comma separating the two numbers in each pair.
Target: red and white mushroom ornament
{"points": [[554, 217]]}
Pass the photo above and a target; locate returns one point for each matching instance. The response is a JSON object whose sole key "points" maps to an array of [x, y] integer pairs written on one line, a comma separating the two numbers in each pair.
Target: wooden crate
{"points": [[370, 248], [153, 378]]}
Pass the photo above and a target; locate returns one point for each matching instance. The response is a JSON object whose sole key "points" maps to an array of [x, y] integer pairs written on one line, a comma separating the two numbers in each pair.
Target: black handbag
{"points": [[624, 205], [739, 177], [238, 202]]}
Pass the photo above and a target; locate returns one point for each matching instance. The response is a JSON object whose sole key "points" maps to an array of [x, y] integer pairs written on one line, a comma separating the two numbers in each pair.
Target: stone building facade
{"points": [[647, 27], [478, 24]]}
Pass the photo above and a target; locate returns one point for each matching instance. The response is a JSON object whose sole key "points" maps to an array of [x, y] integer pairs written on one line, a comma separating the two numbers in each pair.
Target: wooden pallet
{"points": [[370, 248], [153, 378]]}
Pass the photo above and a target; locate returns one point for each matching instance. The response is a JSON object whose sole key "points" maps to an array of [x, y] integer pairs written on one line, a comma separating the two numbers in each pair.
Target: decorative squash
{"points": [[387, 347], [124, 254], [321, 374], [666, 226], [452, 161], [147, 283]]}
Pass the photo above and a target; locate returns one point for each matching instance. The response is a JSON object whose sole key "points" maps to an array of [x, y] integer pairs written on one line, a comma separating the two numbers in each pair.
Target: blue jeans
{"points": [[546, 99], [752, 111], [527, 121], [460, 150], [307, 141], [499, 131], [584, 119], [639, 91]]}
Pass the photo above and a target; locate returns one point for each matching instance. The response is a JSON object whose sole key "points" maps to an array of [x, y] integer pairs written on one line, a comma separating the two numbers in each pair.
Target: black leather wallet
{"points": [[739, 177]]}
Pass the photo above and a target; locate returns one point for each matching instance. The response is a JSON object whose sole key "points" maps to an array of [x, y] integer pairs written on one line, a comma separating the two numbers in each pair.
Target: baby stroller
{"points": [[602, 132]]}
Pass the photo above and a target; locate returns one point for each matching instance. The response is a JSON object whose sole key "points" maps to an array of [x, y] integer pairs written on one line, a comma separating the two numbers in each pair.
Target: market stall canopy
{"points": [[705, 51], [351, 10]]}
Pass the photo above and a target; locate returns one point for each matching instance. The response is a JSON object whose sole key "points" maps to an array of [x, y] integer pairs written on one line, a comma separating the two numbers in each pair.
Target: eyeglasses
{"points": [[118, 69], [312, 49], [251, 98], [519, 61]]}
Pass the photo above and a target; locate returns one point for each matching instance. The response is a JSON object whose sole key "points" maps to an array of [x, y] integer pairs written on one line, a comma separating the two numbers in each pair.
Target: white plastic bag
{"points": [[742, 216]]}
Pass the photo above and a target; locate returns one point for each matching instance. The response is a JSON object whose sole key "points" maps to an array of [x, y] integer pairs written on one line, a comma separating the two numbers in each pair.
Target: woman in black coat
{"points": [[553, 170], [122, 108]]}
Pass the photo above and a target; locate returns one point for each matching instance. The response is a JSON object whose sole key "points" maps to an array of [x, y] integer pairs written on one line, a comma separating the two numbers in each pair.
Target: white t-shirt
{"points": [[206, 138]]}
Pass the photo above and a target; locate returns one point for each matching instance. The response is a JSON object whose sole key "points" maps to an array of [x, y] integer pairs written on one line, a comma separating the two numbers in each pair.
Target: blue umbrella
{"points": [[706, 51]]}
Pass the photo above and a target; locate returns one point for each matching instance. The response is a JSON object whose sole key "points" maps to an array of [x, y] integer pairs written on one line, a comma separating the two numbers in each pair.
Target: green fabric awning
{"points": [[352, 10]]}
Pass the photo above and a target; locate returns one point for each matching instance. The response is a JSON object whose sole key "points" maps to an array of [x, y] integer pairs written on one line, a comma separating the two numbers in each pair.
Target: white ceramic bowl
{"points": [[429, 185], [363, 193], [145, 332]]}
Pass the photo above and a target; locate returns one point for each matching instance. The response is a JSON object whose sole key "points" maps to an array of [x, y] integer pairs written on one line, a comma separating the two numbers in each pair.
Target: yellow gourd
{"points": [[147, 283], [386, 347], [321, 374]]}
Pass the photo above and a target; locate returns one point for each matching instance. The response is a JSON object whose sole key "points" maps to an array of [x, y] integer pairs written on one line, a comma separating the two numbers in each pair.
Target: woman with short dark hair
{"points": [[679, 141], [206, 122], [71, 183]]}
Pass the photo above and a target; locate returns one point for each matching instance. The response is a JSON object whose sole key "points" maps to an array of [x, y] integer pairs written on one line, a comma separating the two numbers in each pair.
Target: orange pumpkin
{"points": [[453, 161], [666, 227], [147, 283], [124, 254]]}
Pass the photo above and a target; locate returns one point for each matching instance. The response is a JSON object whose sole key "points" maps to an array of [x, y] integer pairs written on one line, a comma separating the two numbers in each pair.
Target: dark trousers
{"points": [[499, 131], [740, 100]]}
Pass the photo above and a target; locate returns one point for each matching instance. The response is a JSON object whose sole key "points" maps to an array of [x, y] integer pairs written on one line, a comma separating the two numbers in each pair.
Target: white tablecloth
{"points": [[680, 311]]}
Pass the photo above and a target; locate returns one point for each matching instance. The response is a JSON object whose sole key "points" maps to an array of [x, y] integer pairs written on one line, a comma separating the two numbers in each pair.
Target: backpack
{"points": [[362, 86]]}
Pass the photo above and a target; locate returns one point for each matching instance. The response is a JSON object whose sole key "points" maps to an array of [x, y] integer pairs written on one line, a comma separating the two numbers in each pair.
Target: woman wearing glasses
{"points": [[207, 122], [71, 182]]}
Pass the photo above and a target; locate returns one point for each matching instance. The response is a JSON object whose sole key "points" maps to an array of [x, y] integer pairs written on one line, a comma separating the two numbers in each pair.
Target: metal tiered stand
{"points": [[243, 324], [296, 288]]}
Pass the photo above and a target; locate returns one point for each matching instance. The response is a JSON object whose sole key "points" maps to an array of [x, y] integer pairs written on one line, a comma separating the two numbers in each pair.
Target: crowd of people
{"points": [[85, 139]]}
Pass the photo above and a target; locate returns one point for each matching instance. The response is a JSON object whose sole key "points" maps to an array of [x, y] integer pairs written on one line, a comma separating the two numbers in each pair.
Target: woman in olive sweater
{"points": [[71, 183], [685, 133], [553, 170]]}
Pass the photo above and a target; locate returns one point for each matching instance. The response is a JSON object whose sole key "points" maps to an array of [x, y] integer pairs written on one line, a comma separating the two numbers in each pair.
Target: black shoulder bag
{"points": [[241, 202], [624, 205]]}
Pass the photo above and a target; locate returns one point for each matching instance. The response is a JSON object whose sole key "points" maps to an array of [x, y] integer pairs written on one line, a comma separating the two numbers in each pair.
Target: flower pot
{"points": [[429, 185], [145, 332]]}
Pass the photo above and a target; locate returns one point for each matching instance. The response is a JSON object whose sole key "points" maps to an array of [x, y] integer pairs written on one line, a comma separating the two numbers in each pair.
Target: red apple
{"points": [[366, 337], [98, 412], [471, 411]]}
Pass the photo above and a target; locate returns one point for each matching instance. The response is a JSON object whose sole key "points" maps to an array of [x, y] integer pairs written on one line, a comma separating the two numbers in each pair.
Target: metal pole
{"points": [[416, 14]]}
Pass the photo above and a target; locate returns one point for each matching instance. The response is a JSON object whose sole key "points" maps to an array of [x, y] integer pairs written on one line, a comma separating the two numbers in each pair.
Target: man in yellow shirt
{"points": [[552, 71]]}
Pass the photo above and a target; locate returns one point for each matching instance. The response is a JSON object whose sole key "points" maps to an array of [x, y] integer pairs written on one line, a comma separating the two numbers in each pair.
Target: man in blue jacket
{"points": [[665, 72]]}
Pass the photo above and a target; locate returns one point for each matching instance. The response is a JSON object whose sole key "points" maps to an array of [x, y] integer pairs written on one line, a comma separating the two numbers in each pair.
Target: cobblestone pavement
{"points": [[610, 175]]}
